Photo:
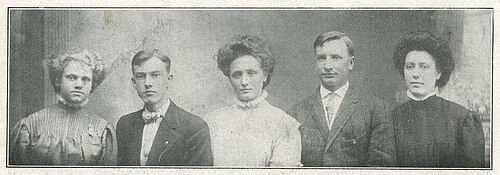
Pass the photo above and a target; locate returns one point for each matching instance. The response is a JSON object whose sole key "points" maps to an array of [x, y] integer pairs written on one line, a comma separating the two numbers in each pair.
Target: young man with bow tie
{"points": [[160, 134]]}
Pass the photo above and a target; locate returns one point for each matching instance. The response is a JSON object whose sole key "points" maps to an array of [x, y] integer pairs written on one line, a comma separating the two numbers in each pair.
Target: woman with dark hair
{"points": [[429, 130], [66, 133], [251, 132]]}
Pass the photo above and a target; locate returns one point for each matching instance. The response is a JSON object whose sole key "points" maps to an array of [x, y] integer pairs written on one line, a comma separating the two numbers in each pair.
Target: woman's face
{"points": [[76, 82], [247, 77], [420, 73]]}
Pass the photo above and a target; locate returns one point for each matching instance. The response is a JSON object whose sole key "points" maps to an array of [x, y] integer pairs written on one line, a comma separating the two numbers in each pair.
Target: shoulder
{"points": [[455, 110], [303, 104], [217, 114], [188, 119], [128, 118], [45, 112], [451, 105], [369, 98], [280, 118]]}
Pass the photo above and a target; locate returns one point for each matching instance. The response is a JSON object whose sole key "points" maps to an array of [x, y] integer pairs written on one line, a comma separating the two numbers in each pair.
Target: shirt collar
{"points": [[160, 111], [411, 96], [340, 91]]}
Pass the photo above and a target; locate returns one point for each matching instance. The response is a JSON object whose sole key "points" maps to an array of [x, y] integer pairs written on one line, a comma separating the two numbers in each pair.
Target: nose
{"points": [[148, 82], [328, 63], [79, 84], [244, 80], [416, 74]]}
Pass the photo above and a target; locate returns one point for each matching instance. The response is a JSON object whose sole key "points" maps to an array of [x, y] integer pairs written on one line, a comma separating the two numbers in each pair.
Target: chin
{"points": [[78, 100]]}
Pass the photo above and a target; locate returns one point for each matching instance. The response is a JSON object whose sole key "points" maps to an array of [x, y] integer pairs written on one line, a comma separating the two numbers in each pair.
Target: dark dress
{"points": [[437, 133]]}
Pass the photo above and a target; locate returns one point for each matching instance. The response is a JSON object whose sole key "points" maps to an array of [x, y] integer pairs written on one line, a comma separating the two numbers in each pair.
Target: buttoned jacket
{"points": [[361, 134]]}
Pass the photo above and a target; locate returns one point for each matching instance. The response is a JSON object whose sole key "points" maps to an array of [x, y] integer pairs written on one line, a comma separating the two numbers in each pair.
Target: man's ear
{"points": [[133, 81], [170, 77], [351, 63]]}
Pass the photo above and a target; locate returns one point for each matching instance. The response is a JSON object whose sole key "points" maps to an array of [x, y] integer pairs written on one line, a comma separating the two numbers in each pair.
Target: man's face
{"points": [[247, 78], [76, 82], [151, 80], [420, 73], [333, 63]]}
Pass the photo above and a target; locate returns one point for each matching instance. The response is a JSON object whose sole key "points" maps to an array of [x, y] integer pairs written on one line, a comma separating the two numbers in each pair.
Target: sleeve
{"points": [[109, 147], [199, 151], [19, 142], [472, 142], [287, 148], [381, 150]]}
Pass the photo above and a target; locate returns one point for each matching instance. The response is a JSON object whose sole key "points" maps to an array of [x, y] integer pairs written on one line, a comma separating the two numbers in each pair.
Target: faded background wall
{"points": [[192, 37]]}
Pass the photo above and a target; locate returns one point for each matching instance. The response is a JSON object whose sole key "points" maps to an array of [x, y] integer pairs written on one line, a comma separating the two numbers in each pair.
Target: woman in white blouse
{"points": [[251, 132]]}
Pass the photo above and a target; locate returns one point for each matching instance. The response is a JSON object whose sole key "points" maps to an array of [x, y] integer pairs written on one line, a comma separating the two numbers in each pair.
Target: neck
{"points": [[253, 103], [71, 105], [156, 106], [333, 88]]}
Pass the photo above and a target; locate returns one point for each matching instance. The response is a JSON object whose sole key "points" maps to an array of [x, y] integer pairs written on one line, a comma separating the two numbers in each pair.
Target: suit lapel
{"points": [[165, 135], [136, 138], [318, 113], [347, 107]]}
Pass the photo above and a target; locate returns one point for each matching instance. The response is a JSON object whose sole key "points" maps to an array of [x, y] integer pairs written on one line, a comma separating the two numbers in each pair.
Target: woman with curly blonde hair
{"points": [[66, 133]]}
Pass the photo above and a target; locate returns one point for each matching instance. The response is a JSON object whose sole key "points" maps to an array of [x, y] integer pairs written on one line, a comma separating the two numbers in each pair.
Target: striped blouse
{"points": [[58, 135]]}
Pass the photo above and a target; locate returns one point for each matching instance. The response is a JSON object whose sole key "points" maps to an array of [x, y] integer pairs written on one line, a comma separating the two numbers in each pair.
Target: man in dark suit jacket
{"points": [[340, 125], [160, 134]]}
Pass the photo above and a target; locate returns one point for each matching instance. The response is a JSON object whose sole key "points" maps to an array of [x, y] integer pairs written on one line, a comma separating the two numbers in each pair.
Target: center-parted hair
{"points": [[242, 46], [57, 64], [425, 41], [334, 35], [144, 55]]}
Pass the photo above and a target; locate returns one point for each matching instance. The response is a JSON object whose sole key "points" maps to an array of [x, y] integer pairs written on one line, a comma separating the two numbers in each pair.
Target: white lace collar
{"points": [[253, 103], [411, 96], [70, 105]]}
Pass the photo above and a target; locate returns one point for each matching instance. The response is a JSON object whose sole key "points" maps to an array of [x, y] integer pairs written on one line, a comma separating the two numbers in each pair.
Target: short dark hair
{"points": [[57, 64], [144, 55], [246, 45], [334, 35], [426, 41]]}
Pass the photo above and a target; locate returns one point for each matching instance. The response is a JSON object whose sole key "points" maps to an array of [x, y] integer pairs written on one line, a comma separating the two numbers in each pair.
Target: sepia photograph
{"points": [[250, 88]]}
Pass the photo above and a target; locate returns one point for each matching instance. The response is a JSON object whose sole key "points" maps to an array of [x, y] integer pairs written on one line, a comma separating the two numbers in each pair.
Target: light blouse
{"points": [[254, 134]]}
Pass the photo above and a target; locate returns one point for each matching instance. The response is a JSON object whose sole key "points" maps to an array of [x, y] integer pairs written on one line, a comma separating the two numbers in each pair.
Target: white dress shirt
{"points": [[337, 99], [149, 132]]}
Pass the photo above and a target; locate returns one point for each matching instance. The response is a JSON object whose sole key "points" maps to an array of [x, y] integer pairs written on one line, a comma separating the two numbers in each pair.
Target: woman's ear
{"points": [[438, 76]]}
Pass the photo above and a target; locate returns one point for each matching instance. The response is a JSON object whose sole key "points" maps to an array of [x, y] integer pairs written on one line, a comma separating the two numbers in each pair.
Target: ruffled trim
{"points": [[253, 103], [70, 105]]}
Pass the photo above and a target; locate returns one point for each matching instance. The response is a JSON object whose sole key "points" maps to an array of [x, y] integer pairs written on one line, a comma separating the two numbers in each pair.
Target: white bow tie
{"points": [[150, 117]]}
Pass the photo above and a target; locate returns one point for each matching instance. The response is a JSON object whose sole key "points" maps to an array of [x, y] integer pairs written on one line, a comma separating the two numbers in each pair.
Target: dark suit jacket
{"points": [[361, 135], [182, 139]]}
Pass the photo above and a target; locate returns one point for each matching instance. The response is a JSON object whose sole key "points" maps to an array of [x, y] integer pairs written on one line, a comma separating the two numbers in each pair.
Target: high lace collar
{"points": [[253, 103], [427, 103], [413, 97], [69, 105]]}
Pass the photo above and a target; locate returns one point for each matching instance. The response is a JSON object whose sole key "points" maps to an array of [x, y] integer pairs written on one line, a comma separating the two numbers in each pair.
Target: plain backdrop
{"points": [[191, 37]]}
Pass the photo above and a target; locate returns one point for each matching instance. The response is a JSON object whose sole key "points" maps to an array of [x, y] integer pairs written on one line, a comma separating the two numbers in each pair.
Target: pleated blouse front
{"points": [[58, 135]]}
